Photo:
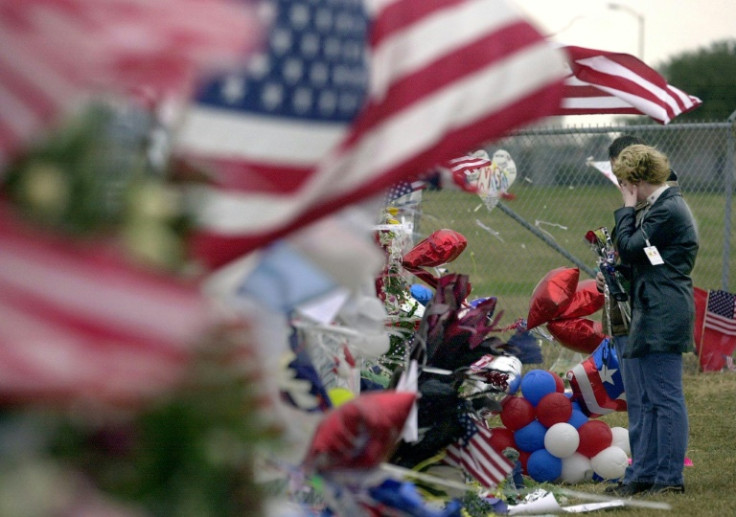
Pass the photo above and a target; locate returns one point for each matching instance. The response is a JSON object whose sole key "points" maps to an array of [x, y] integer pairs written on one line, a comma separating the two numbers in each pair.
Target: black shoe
{"points": [[629, 489], [666, 489]]}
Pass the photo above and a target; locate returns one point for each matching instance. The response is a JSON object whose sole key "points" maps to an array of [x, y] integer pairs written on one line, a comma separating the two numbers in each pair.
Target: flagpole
{"points": [[701, 355]]}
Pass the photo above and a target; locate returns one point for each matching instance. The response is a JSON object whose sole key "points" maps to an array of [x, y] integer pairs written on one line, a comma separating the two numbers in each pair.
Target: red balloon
{"points": [[579, 334], [559, 383], [595, 435], [501, 438], [361, 433], [552, 295], [439, 248], [516, 412], [554, 408], [585, 301]]}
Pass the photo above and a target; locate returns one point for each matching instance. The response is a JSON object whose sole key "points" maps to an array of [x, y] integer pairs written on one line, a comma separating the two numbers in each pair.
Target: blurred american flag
{"points": [[352, 97]]}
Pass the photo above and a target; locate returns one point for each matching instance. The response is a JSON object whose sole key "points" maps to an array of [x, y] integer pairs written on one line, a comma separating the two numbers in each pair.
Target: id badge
{"points": [[653, 255]]}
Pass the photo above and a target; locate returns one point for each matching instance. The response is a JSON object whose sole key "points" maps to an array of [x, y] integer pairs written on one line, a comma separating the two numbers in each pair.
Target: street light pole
{"points": [[639, 17]]}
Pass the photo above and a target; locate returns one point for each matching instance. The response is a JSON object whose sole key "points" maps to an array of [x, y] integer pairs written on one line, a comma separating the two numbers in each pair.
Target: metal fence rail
{"points": [[559, 196]]}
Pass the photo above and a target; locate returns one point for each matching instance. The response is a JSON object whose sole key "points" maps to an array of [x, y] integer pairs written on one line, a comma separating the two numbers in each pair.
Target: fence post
{"points": [[730, 172]]}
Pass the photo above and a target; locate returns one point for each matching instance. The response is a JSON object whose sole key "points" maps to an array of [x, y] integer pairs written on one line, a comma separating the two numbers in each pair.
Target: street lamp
{"points": [[640, 18]]}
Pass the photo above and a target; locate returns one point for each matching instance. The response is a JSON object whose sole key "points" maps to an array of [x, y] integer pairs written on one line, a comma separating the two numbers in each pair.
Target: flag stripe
{"points": [[623, 84]]}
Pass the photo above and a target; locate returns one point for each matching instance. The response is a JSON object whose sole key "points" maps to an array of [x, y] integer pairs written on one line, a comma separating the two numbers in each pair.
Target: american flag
{"points": [[55, 53], [615, 83], [474, 454], [403, 188], [597, 383], [718, 340], [351, 97], [80, 323]]}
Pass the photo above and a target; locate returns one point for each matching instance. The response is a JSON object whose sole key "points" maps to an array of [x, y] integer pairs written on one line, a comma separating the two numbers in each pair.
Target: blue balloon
{"points": [[543, 467], [514, 384], [536, 384], [421, 293], [530, 437], [577, 418]]}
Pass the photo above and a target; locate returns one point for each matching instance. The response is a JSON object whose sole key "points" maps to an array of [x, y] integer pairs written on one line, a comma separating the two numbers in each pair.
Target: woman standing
{"points": [[659, 244]]}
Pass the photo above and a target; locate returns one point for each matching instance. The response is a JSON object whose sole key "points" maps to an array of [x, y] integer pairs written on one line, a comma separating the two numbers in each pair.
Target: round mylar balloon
{"points": [[610, 463], [542, 466], [621, 439], [576, 469], [561, 440]]}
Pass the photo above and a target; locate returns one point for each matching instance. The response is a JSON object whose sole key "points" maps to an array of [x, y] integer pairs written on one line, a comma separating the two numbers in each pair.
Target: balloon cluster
{"points": [[561, 301], [556, 441]]}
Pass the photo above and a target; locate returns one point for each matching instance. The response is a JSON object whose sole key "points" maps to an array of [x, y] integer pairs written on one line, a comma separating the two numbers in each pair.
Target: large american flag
{"points": [[79, 323], [54, 53], [718, 340], [603, 82], [351, 97], [475, 455]]}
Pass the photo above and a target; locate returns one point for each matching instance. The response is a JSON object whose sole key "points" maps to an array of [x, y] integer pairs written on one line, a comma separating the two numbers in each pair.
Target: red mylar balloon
{"points": [[361, 433], [579, 334], [439, 248], [585, 301], [552, 295]]}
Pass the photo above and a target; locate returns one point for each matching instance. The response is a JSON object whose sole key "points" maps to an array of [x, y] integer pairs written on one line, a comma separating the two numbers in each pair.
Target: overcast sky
{"points": [[670, 26]]}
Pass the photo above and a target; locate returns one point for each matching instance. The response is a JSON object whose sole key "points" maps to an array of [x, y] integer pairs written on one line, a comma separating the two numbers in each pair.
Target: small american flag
{"points": [[718, 340], [474, 454], [351, 97], [53, 53], [403, 188], [720, 314], [615, 83]]}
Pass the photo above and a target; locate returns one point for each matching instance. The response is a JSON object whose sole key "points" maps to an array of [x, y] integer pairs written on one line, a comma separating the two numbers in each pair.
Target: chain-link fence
{"points": [[559, 196]]}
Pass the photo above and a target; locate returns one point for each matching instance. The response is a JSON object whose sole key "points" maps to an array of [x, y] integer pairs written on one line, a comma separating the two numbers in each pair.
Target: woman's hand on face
{"points": [[629, 193]]}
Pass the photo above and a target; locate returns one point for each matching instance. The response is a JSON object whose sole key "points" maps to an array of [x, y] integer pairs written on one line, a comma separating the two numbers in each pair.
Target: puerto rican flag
{"points": [[597, 383]]}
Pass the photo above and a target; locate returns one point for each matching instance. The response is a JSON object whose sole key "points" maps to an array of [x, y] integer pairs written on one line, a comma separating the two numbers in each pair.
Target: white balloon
{"points": [[576, 469], [610, 463], [621, 439], [561, 440]]}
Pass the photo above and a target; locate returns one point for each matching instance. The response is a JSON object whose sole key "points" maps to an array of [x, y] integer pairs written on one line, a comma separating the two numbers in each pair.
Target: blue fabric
{"points": [[421, 293], [661, 421], [284, 278]]}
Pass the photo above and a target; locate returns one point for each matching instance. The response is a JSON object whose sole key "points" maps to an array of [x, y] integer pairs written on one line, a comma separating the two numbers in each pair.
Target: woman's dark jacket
{"points": [[663, 308]]}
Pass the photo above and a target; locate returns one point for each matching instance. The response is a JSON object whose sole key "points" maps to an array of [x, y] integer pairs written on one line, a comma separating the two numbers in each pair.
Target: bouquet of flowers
{"points": [[602, 245]]}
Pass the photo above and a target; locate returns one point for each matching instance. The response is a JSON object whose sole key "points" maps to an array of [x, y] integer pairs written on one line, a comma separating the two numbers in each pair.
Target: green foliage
{"points": [[709, 73]]}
